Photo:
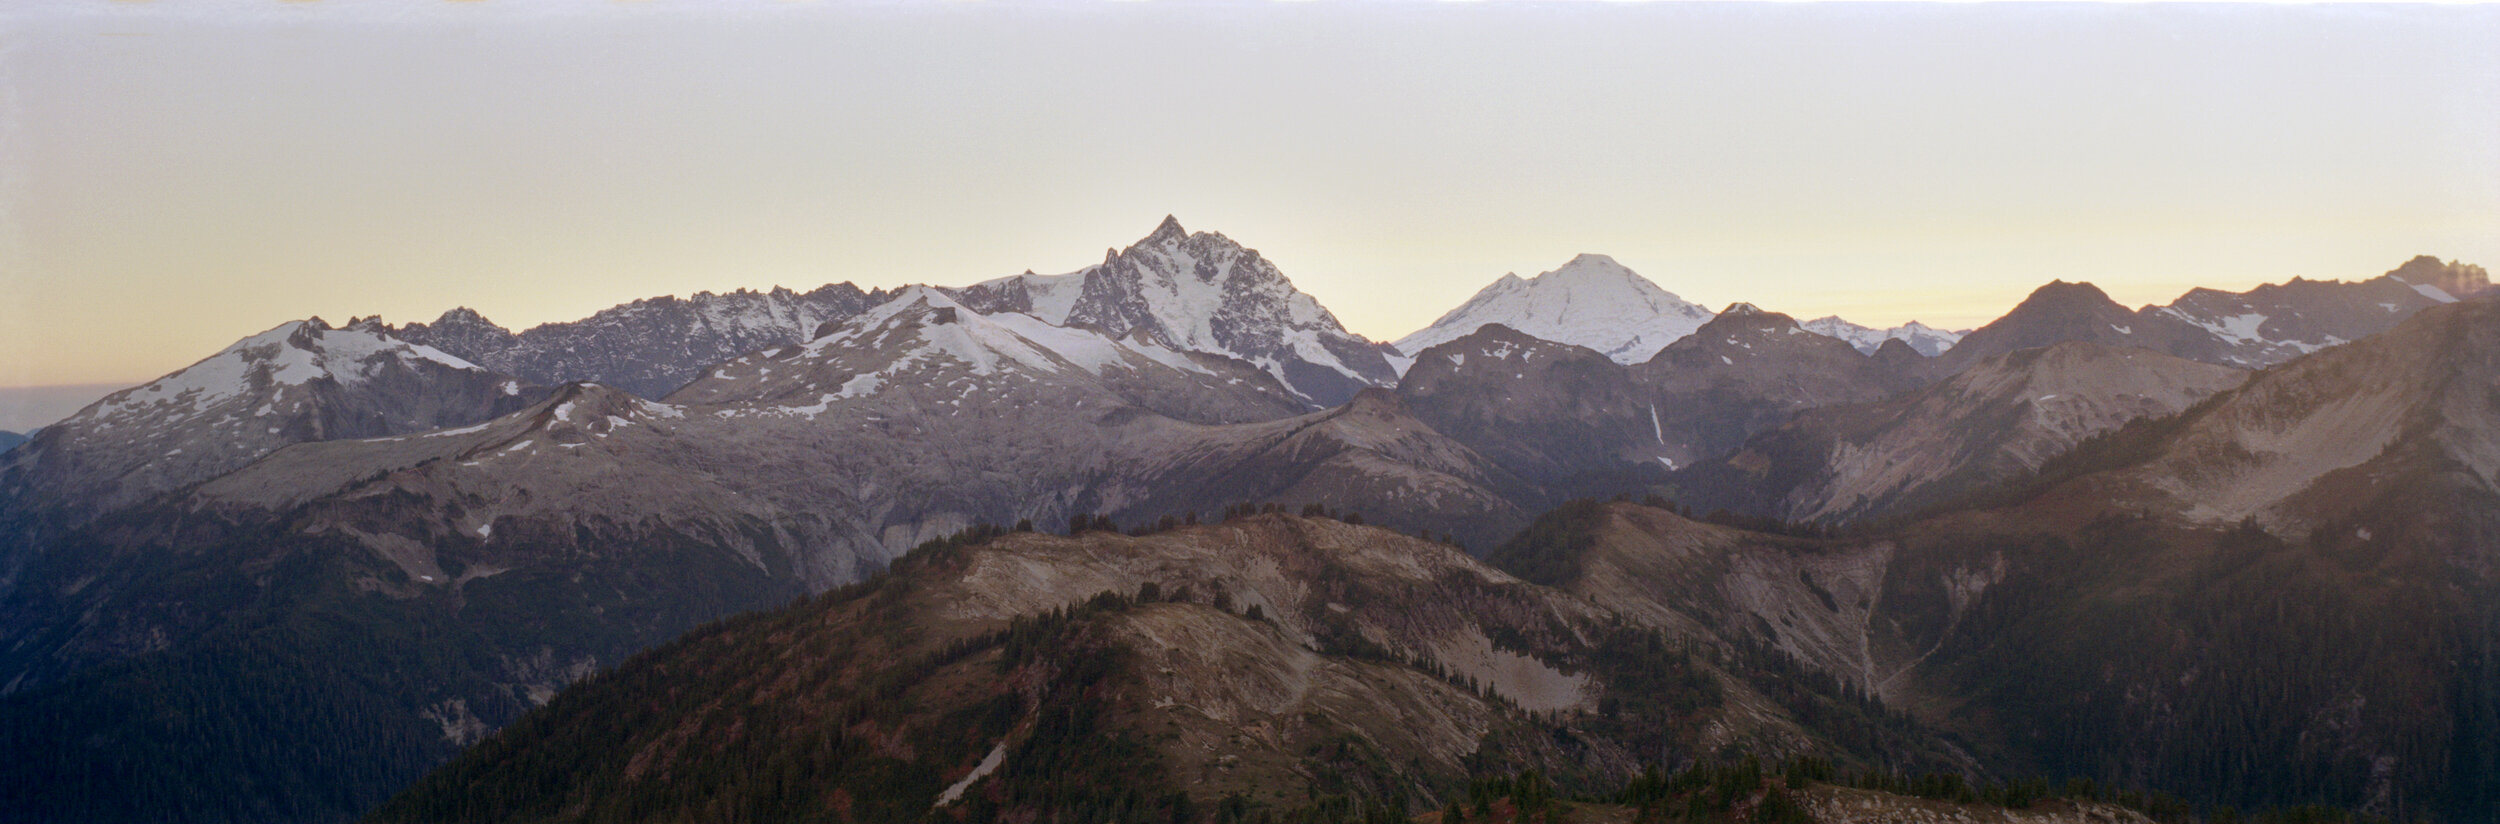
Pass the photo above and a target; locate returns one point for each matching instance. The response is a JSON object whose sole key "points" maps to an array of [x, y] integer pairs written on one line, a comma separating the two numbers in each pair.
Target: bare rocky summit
{"points": [[649, 347]]}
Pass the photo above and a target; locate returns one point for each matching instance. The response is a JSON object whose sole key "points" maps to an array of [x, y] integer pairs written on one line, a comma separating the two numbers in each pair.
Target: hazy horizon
{"points": [[172, 178]]}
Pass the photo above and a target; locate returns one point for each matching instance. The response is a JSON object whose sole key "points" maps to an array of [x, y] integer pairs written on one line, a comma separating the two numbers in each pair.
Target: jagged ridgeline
{"points": [[2080, 540], [1266, 664]]}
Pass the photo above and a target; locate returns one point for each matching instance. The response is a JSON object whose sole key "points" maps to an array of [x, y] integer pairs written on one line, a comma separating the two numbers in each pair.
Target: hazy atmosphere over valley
{"points": [[1231, 412]]}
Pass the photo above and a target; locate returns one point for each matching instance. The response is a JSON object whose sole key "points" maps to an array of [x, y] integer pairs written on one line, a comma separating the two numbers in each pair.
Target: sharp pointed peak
{"points": [[1169, 229]]}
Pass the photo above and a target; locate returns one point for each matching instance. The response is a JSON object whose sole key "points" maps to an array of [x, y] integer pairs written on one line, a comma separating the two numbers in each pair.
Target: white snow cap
{"points": [[290, 354], [1178, 285], [1591, 301], [1924, 339]]}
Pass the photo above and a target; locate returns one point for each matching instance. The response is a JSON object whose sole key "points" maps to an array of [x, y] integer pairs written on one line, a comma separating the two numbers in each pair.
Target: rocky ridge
{"points": [[1995, 422], [649, 347]]}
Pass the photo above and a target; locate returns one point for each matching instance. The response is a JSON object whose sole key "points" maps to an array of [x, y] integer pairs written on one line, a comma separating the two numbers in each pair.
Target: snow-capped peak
{"points": [[299, 381], [942, 327], [1169, 231], [290, 354], [1200, 292], [1590, 265], [923, 347], [1591, 301], [1920, 337]]}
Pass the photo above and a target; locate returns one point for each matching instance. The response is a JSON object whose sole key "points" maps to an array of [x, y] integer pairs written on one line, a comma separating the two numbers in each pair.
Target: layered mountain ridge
{"points": [[2267, 325], [789, 470], [231, 533], [1926, 340], [1575, 422], [1995, 422], [1262, 664]]}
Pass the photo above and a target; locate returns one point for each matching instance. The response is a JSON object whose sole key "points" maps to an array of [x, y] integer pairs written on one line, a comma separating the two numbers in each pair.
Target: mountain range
{"points": [[2264, 326], [1995, 422], [1597, 303], [1920, 337], [301, 381], [647, 347], [1576, 422], [286, 581], [2138, 611]]}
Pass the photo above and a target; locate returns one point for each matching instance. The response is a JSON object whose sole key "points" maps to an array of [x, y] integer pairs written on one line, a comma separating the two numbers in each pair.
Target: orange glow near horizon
{"points": [[173, 178]]}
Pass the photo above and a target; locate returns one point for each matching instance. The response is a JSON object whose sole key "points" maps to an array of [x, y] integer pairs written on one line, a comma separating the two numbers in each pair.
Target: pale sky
{"points": [[174, 176]]}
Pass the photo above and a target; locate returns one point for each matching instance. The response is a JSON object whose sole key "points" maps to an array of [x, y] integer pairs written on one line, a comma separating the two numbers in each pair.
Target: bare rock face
{"points": [[1994, 423], [648, 347]]}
